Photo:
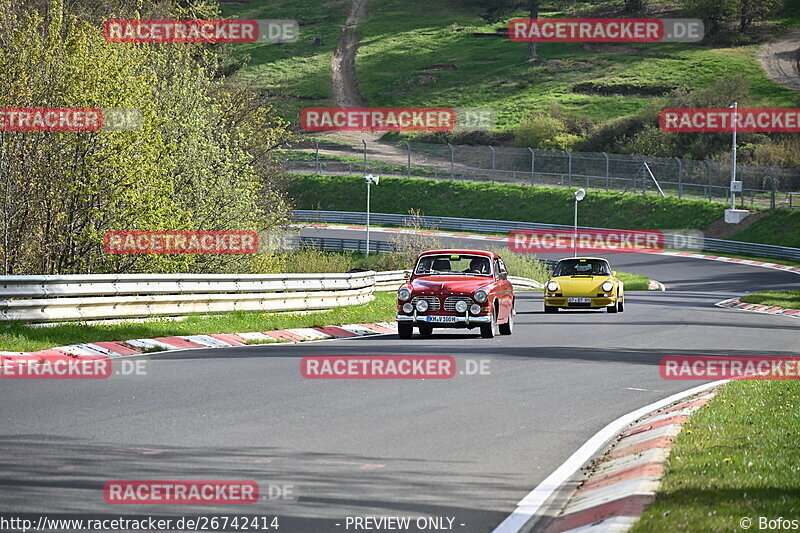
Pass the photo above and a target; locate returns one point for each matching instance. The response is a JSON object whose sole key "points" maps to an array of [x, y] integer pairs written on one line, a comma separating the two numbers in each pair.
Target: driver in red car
{"points": [[478, 266]]}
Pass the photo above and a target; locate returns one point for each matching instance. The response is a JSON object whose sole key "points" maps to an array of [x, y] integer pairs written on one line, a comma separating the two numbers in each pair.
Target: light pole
{"points": [[580, 194], [369, 180], [735, 107]]}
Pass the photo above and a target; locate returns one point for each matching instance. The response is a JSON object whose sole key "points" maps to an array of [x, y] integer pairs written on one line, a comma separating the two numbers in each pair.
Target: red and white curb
{"points": [[646, 437], [751, 262], [654, 285], [130, 347], [622, 482], [734, 303]]}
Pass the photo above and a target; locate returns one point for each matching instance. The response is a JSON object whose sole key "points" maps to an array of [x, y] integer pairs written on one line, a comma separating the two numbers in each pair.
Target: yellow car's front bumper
{"points": [[596, 302]]}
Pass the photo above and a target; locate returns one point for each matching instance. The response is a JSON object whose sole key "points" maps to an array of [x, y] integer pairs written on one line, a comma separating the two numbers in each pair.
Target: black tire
{"points": [[550, 309], [508, 327], [612, 309], [488, 331], [620, 306], [405, 330], [425, 330]]}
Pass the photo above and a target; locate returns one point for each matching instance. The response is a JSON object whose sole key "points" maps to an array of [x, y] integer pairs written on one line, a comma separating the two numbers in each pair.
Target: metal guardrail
{"points": [[506, 226], [115, 296], [118, 296]]}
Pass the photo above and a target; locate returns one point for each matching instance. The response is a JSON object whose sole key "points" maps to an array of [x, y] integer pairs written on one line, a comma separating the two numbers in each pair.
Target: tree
{"points": [[204, 157], [750, 11]]}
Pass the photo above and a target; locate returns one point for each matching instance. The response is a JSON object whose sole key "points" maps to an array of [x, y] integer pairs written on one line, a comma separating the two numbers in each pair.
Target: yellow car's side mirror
{"points": [[614, 273]]}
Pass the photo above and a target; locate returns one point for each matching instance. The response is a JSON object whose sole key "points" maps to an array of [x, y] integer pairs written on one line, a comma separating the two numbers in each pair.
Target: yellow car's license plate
{"points": [[575, 300]]}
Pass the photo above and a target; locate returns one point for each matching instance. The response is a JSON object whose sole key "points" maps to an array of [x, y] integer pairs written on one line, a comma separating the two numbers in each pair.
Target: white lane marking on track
{"points": [[643, 390], [530, 504]]}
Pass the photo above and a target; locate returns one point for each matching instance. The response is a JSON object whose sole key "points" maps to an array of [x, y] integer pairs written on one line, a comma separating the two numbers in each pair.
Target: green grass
{"points": [[737, 457], [634, 282], [301, 71], [781, 228], [21, 338], [403, 37], [788, 299], [503, 201]]}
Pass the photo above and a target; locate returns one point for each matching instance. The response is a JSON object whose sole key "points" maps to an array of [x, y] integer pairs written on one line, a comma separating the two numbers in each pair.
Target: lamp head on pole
{"points": [[372, 179], [580, 194]]}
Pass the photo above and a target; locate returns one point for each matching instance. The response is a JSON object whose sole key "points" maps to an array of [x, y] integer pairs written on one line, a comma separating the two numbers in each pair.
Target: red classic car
{"points": [[456, 289]]}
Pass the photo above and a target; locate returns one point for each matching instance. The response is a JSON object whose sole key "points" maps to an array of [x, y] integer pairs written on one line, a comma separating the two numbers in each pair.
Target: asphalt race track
{"points": [[468, 448]]}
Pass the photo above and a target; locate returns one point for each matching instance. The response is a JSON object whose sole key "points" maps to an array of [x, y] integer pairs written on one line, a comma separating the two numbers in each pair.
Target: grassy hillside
{"points": [[502, 201], [422, 52], [781, 228], [405, 40], [300, 71]]}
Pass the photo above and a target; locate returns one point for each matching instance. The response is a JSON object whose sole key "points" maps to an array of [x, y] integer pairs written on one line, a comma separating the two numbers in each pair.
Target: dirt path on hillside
{"points": [[343, 63], [781, 60]]}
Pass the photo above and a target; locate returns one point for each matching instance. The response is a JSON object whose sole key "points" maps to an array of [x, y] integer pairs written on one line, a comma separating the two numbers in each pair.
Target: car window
{"points": [[450, 264], [582, 267]]}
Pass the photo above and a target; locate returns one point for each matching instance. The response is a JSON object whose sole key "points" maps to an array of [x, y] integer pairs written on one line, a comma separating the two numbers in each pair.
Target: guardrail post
{"points": [[494, 162], [569, 167], [607, 178], [680, 177], [408, 147], [452, 162], [533, 164], [365, 155]]}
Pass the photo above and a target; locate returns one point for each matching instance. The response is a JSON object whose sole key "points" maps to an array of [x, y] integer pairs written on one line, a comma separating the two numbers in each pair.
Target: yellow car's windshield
{"points": [[582, 267]]}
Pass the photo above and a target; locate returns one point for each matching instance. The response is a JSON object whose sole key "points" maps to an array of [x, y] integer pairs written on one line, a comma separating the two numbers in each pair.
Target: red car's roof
{"points": [[460, 251]]}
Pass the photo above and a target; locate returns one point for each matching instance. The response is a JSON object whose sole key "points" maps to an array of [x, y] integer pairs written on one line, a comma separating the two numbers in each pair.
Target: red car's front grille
{"points": [[433, 302]]}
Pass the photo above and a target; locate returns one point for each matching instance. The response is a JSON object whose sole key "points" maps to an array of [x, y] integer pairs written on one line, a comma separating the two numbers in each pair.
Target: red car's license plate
{"points": [[442, 319]]}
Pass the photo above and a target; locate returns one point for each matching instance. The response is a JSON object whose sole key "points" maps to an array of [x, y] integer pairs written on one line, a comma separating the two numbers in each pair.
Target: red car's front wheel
{"points": [[405, 330]]}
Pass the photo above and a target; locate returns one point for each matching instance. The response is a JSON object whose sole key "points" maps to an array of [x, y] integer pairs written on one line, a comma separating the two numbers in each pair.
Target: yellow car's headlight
{"points": [[552, 285], [607, 286]]}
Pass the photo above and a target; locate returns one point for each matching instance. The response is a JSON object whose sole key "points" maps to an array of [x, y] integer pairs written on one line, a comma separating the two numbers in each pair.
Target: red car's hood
{"points": [[450, 284]]}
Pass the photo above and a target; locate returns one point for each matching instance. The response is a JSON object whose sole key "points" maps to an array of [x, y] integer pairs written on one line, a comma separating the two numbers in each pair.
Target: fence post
{"points": [[569, 167], [452, 162], [772, 194], [494, 162], [708, 172], [533, 164], [365, 155], [408, 147], [607, 180], [316, 158], [680, 177]]}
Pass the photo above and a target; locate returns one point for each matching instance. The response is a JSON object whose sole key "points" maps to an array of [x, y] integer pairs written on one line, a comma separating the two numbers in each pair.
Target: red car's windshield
{"points": [[450, 264]]}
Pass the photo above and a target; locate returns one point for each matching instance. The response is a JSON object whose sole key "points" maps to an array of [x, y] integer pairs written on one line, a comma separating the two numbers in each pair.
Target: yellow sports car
{"points": [[583, 283]]}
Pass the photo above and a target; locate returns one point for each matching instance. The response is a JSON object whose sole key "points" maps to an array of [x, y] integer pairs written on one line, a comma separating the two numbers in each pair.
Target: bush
{"points": [[537, 129]]}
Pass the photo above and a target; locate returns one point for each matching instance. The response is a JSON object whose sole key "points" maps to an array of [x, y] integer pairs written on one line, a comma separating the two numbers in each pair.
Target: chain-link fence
{"points": [[763, 186]]}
